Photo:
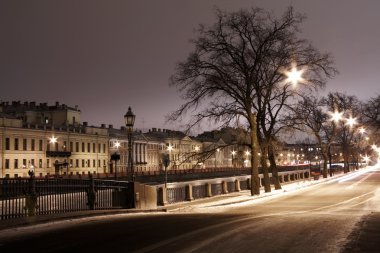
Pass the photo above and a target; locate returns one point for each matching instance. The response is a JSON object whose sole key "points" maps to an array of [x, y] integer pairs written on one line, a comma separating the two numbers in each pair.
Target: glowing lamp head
{"points": [[53, 139], [294, 76], [336, 116], [117, 144], [351, 121]]}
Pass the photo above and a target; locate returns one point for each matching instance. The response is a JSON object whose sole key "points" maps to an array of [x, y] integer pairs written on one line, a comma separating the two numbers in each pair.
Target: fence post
{"points": [[91, 194], [248, 184], [31, 195], [224, 187], [189, 192], [163, 197], [208, 190], [237, 185]]}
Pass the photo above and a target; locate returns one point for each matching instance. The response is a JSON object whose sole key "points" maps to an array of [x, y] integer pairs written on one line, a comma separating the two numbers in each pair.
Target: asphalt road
{"points": [[328, 217]]}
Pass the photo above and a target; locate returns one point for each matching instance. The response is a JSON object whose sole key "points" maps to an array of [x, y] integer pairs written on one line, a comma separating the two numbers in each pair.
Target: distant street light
{"points": [[336, 116], [129, 118], [233, 157], [294, 76], [351, 121]]}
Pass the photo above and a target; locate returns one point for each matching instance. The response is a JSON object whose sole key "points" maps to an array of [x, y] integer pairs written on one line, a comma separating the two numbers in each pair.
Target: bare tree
{"points": [[310, 115], [349, 107], [371, 113], [237, 70]]}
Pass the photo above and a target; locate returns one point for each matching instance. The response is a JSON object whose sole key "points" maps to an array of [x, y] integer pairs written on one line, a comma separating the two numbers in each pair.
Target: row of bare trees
{"points": [[252, 68]]}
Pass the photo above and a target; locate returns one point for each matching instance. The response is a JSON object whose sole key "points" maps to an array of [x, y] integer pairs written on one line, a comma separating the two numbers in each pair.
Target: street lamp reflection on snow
{"points": [[129, 118]]}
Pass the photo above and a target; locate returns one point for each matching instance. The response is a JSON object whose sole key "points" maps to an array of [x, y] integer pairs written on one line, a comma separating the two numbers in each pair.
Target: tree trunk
{"points": [[325, 159], [255, 181], [264, 166], [330, 161], [273, 168]]}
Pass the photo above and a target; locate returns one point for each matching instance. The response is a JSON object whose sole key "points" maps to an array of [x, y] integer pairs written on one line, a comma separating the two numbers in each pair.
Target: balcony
{"points": [[58, 153]]}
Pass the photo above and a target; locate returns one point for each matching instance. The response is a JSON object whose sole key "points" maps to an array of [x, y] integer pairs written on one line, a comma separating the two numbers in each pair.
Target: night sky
{"points": [[107, 55]]}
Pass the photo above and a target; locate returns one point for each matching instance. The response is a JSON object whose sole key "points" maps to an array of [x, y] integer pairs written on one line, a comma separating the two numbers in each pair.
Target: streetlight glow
{"points": [[117, 144], [351, 121], [53, 139], [294, 76], [336, 116]]}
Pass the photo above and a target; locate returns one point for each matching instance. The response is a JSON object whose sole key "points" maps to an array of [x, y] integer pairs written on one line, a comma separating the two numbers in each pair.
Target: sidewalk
{"points": [[235, 198], [244, 197]]}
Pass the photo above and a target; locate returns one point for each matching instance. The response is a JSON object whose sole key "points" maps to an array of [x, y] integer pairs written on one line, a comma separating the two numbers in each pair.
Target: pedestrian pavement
{"points": [[220, 200]]}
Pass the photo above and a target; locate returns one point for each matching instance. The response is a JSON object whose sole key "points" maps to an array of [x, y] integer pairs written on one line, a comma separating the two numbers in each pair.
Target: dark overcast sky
{"points": [[106, 55]]}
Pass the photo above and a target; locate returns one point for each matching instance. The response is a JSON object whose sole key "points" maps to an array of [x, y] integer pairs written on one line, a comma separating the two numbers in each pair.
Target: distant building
{"points": [[47, 149]]}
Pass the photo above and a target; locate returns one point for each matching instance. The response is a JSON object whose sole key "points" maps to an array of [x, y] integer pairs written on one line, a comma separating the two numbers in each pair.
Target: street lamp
{"points": [[294, 76], [233, 157], [129, 118]]}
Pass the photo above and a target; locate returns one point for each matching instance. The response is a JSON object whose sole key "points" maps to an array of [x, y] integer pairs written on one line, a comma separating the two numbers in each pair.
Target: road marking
{"points": [[361, 180], [342, 202]]}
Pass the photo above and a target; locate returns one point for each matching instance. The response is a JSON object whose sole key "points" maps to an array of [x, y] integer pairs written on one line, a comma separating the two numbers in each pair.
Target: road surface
{"points": [[335, 216]]}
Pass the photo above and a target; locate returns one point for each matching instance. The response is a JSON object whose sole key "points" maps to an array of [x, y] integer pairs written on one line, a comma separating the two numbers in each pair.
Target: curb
{"points": [[30, 221]]}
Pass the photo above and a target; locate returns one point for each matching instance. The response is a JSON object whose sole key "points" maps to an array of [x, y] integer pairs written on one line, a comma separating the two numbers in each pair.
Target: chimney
{"points": [[110, 126], [159, 130], [85, 123], [154, 129], [123, 128], [103, 125]]}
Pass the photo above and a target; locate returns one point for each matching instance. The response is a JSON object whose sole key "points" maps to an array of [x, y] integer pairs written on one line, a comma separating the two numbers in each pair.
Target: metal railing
{"points": [[20, 197]]}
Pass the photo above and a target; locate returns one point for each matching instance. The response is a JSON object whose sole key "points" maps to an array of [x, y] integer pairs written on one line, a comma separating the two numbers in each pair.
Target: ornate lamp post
{"points": [[129, 118]]}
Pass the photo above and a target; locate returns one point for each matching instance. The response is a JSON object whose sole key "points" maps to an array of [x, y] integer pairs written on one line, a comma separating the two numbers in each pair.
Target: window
{"points": [[23, 163], [64, 146], [71, 146], [24, 144], [104, 148], [76, 163], [93, 163], [40, 163], [76, 146], [88, 163], [33, 144], [71, 162], [16, 143], [7, 163], [99, 148], [93, 147], [48, 163], [82, 146], [32, 162], [7, 144], [48, 146], [82, 163], [16, 164], [98, 163], [40, 144], [88, 147], [56, 146]]}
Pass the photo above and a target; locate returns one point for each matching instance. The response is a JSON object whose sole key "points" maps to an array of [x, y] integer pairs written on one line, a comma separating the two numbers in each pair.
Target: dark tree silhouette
{"points": [[238, 70]]}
